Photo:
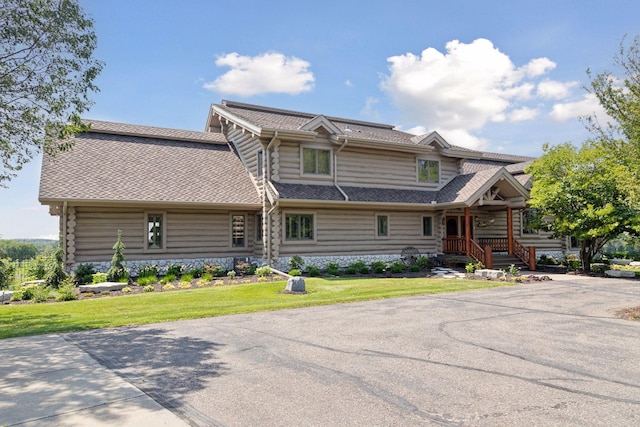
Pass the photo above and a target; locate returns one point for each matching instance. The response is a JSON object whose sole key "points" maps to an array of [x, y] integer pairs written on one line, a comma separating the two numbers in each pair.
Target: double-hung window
{"points": [[316, 161], [429, 171], [238, 223], [155, 231], [299, 227]]}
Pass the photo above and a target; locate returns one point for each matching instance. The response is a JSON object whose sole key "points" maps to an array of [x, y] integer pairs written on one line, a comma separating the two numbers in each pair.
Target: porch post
{"points": [[509, 230], [467, 230]]}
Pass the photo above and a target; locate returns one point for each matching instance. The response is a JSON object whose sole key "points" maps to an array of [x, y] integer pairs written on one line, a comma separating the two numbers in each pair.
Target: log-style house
{"points": [[266, 184]]}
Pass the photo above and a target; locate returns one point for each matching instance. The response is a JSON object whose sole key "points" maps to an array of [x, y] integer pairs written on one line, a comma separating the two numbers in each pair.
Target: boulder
{"points": [[635, 263], [620, 273], [295, 284], [5, 295], [101, 287], [492, 274]]}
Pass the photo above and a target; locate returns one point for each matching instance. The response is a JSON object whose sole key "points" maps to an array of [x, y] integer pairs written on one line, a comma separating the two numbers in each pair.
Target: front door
{"points": [[455, 227]]}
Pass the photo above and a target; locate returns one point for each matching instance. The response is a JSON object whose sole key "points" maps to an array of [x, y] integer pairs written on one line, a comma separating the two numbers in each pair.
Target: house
{"points": [[266, 184]]}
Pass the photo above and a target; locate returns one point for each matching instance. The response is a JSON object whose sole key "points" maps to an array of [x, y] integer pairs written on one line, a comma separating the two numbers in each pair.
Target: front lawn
{"points": [[138, 309]]}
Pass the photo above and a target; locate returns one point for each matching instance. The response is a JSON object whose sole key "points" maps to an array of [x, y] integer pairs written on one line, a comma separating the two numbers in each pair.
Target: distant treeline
{"points": [[23, 249]]}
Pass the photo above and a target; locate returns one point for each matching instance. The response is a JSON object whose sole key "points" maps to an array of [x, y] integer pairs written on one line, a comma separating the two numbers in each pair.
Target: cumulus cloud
{"points": [[266, 73], [369, 108], [461, 90], [587, 106], [550, 89]]}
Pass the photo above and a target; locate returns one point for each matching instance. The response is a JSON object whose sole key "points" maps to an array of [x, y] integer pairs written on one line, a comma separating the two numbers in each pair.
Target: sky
{"points": [[490, 75]]}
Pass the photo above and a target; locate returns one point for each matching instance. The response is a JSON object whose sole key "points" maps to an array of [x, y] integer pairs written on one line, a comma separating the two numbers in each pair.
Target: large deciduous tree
{"points": [[577, 192], [47, 73]]}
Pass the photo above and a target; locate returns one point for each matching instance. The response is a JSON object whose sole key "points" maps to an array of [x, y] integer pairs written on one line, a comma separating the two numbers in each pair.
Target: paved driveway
{"points": [[549, 353]]}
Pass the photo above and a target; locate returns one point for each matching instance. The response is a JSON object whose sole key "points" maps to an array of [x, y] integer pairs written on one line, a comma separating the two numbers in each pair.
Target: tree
{"points": [[577, 193], [17, 251], [47, 71], [620, 98], [118, 271]]}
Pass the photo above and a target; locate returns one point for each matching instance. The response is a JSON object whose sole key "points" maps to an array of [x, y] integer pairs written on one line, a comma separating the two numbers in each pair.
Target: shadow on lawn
{"points": [[164, 366]]}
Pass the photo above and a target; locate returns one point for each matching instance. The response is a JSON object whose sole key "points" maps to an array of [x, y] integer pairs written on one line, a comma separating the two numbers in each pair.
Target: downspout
{"points": [[64, 233], [335, 170], [267, 178]]}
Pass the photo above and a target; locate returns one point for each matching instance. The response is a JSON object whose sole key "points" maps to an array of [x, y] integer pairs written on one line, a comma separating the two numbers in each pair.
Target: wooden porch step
{"points": [[504, 261]]}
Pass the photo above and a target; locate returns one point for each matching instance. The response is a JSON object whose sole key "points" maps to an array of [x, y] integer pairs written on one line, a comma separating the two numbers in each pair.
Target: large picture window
{"points": [[238, 231], [155, 231], [428, 171], [316, 161], [298, 227]]}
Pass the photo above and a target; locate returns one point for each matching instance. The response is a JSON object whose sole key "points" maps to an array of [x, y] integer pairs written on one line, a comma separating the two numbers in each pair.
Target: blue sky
{"points": [[492, 75]]}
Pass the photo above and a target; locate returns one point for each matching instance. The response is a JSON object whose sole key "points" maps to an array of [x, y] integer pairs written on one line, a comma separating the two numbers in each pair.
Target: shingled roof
{"points": [[106, 165]]}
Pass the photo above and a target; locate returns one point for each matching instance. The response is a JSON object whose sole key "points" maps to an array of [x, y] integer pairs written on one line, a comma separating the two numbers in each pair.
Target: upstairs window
{"points": [[259, 231], [155, 231], [260, 163], [429, 171], [316, 161]]}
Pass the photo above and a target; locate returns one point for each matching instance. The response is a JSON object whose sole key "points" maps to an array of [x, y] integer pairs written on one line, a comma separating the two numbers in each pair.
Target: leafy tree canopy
{"points": [[577, 192], [47, 71]]}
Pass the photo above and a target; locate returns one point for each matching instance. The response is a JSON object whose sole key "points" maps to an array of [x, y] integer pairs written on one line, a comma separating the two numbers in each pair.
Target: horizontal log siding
{"points": [[365, 168], [354, 233], [189, 234]]}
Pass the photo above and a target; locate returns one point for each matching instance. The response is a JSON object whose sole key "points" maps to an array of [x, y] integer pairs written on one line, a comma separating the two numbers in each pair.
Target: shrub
{"points": [[148, 270], [296, 262], [572, 262], [201, 282], [184, 285], [98, 278], [231, 273], [218, 282], [206, 277], [294, 272], [196, 272], [364, 270], [379, 267], [186, 278], [175, 270], [40, 294], [7, 270], [67, 291], [263, 271], [350, 271], [426, 263], [37, 267], [397, 267], [262, 279], [147, 280], [54, 274], [168, 279], [84, 274], [333, 268], [472, 267], [547, 260], [314, 271], [358, 265], [17, 295], [126, 290], [245, 268], [149, 288], [168, 287], [215, 270], [118, 272], [414, 268]]}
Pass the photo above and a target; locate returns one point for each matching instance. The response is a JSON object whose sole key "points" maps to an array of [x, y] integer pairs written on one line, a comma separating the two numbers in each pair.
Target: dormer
{"points": [[321, 124], [433, 139]]}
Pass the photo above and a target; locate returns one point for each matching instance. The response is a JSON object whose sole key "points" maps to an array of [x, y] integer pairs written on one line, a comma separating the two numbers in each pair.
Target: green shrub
{"points": [[147, 280], [83, 274], [572, 262], [216, 270], [54, 274], [414, 268], [98, 278], [379, 267], [126, 290], [358, 265], [37, 267], [314, 271], [67, 291], [7, 271], [472, 266], [117, 272], [364, 270], [245, 268], [296, 262], [350, 271], [175, 270], [148, 270], [263, 271], [27, 291], [40, 294], [186, 278], [196, 272], [426, 263], [231, 273], [294, 272], [333, 268], [149, 288], [397, 267], [206, 277], [17, 295], [168, 279]]}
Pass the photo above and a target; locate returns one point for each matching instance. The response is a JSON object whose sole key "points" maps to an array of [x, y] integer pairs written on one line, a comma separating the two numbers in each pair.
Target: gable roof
{"points": [[123, 163]]}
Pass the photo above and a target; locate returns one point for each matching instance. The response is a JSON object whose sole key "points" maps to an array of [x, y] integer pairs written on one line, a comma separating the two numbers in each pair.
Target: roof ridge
{"points": [[255, 107], [146, 131]]}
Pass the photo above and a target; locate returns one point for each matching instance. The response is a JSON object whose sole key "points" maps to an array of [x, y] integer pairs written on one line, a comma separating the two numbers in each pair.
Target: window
{"points": [[429, 171], [237, 231], [530, 222], [427, 226], [259, 228], [260, 163], [382, 226], [298, 227], [155, 231], [316, 161]]}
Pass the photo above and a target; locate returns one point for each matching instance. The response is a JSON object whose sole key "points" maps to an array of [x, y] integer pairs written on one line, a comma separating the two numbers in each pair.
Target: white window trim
{"points": [[315, 175], [260, 164], [246, 223], [433, 226], [433, 159], [145, 236], [284, 227], [375, 226]]}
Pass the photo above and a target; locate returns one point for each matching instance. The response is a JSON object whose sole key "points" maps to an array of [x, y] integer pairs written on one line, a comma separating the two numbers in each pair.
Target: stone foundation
{"points": [[163, 265]]}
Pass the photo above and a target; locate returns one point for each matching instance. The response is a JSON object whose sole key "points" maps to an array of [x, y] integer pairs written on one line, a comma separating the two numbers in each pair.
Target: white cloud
{"points": [[458, 92], [266, 73], [551, 89], [522, 114], [369, 107], [348, 83], [588, 105]]}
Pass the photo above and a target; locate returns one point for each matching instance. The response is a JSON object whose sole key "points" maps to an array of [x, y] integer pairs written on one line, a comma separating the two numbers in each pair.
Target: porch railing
{"points": [[526, 255], [457, 245], [480, 254], [498, 244], [454, 245]]}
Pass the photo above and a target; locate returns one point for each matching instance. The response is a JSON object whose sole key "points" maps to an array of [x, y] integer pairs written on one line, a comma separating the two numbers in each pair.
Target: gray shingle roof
{"points": [[356, 194], [155, 132], [126, 168]]}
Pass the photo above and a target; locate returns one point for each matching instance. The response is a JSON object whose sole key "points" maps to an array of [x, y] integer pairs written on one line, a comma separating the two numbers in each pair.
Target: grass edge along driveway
{"points": [[128, 310]]}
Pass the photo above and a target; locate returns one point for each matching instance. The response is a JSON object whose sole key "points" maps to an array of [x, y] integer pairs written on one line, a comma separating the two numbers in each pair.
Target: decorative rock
{"points": [[101, 287], [492, 274], [635, 263], [620, 273], [5, 295], [295, 284]]}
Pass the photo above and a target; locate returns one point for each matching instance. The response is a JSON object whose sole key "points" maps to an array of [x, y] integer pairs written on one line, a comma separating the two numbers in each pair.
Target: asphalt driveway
{"points": [[547, 353]]}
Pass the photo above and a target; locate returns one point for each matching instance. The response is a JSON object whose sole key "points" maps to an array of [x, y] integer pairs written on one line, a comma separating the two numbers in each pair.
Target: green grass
{"points": [[138, 309]]}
